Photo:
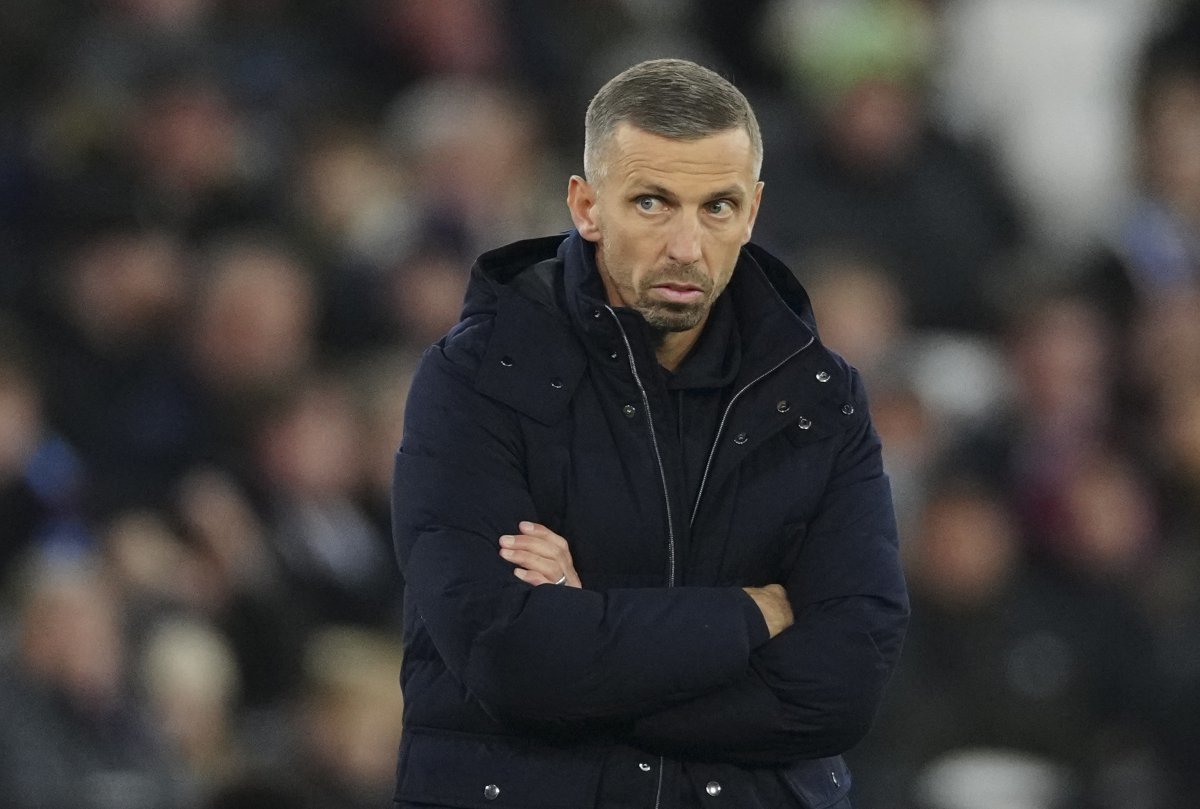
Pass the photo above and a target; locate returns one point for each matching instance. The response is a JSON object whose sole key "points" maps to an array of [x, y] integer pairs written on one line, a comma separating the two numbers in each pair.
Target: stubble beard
{"points": [[667, 316]]}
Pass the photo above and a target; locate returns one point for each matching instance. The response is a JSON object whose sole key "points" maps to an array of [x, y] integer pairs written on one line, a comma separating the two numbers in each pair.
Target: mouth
{"points": [[679, 293]]}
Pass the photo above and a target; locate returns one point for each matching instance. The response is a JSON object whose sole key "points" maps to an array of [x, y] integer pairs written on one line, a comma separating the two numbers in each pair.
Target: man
{"points": [[649, 549]]}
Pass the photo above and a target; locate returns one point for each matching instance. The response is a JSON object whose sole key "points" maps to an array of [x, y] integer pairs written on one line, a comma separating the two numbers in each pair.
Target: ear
{"points": [[758, 191], [581, 200]]}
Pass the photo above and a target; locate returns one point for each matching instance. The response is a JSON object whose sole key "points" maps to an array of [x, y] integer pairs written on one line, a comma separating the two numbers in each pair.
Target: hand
{"points": [[541, 556], [772, 601]]}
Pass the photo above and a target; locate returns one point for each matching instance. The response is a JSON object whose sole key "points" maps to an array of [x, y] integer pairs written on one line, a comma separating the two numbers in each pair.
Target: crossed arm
{"points": [[779, 710], [685, 669], [543, 557]]}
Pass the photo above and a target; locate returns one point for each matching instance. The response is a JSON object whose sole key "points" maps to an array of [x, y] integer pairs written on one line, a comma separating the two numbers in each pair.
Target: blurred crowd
{"points": [[228, 227]]}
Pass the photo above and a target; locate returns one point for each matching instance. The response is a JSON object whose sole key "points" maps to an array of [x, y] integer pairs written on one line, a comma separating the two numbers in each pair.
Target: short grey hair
{"points": [[673, 98]]}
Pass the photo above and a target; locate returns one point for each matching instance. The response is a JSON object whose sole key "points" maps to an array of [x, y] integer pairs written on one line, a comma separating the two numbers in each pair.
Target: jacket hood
{"points": [[497, 270]]}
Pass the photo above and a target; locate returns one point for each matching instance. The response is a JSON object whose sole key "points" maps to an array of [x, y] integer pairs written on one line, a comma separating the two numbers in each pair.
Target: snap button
{"points": [[804, 423], [783, 406], [740, 438], [643, 766], [712, 788], [822, 376], [629, 410], [556, 383], [596, 314], [848, 409], [614, 356], [506, 362], [491, 792]]}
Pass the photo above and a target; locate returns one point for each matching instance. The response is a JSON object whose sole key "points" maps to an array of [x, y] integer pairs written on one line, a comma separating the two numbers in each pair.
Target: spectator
{"points": [[872, 174], [70, 732], [350, 719], [190, 678], [1061, 409], [1156, 247], [111, 355], [474, 146], [337, 564], [253, 330], [244, 592]]}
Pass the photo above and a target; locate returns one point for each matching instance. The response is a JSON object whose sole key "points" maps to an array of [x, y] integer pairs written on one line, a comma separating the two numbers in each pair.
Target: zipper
{"points": [[662, 472], [662, 477], [712, 453], [658, 789]]}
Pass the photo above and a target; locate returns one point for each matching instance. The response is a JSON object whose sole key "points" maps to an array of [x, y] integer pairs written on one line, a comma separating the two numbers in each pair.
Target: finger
{"points": [[543, 545], [535, 578], [551, 569], [531, 577], [539, 530], [534, 544]]}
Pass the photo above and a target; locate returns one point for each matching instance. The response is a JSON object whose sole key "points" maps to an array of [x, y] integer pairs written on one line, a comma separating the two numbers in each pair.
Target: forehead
{"points": [[721, 160]]}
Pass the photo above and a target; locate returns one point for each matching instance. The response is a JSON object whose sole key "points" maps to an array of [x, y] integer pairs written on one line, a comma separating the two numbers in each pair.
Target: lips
{"points": [[679, 293]]}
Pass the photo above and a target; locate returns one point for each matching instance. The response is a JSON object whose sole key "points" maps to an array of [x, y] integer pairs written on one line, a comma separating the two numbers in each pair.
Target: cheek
{"points": [[722, 257], [617, 262], [722, 279], [634, 251]]}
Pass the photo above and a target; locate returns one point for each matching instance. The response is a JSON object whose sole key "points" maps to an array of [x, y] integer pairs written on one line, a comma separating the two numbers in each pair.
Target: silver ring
{"points": [[562, 580]]}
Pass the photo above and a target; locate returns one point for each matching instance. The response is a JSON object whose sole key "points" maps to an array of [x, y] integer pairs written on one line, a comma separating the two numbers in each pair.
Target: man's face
{"points": [[669, 218]]}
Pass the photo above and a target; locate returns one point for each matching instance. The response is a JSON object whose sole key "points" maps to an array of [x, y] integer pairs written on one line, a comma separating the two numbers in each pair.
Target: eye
{"points": [[648, 203], [720, 207]]}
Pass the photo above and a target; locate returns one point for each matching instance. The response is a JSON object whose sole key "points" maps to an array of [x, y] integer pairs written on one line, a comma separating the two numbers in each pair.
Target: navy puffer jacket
{"points": [[656, 685]]}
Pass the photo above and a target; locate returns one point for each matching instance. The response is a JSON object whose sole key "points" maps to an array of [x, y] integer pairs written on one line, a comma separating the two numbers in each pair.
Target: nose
{"points": [[683, 242]]}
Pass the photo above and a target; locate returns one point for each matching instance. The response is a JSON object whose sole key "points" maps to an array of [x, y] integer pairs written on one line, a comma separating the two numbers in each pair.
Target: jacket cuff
{"points": [[757, 632]]}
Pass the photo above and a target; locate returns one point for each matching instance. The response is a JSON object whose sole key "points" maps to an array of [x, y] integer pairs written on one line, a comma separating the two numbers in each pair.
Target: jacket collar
{"points": [[771, 311], [715, 358], [774, 315]]}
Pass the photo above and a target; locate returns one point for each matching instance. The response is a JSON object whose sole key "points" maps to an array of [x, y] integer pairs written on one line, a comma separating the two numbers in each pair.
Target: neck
{"points": [[672, 347]]}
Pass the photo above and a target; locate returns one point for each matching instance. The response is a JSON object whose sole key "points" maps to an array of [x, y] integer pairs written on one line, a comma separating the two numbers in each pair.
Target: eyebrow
{"points": [[732, 192], [729, 192]]}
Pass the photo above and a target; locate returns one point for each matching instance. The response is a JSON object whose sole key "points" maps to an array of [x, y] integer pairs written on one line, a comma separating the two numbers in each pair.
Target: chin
{"points": [[664, 320]]}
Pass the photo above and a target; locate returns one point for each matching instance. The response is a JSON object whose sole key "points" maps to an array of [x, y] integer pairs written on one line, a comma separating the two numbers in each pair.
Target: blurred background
{"points": [[227, 227]]}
